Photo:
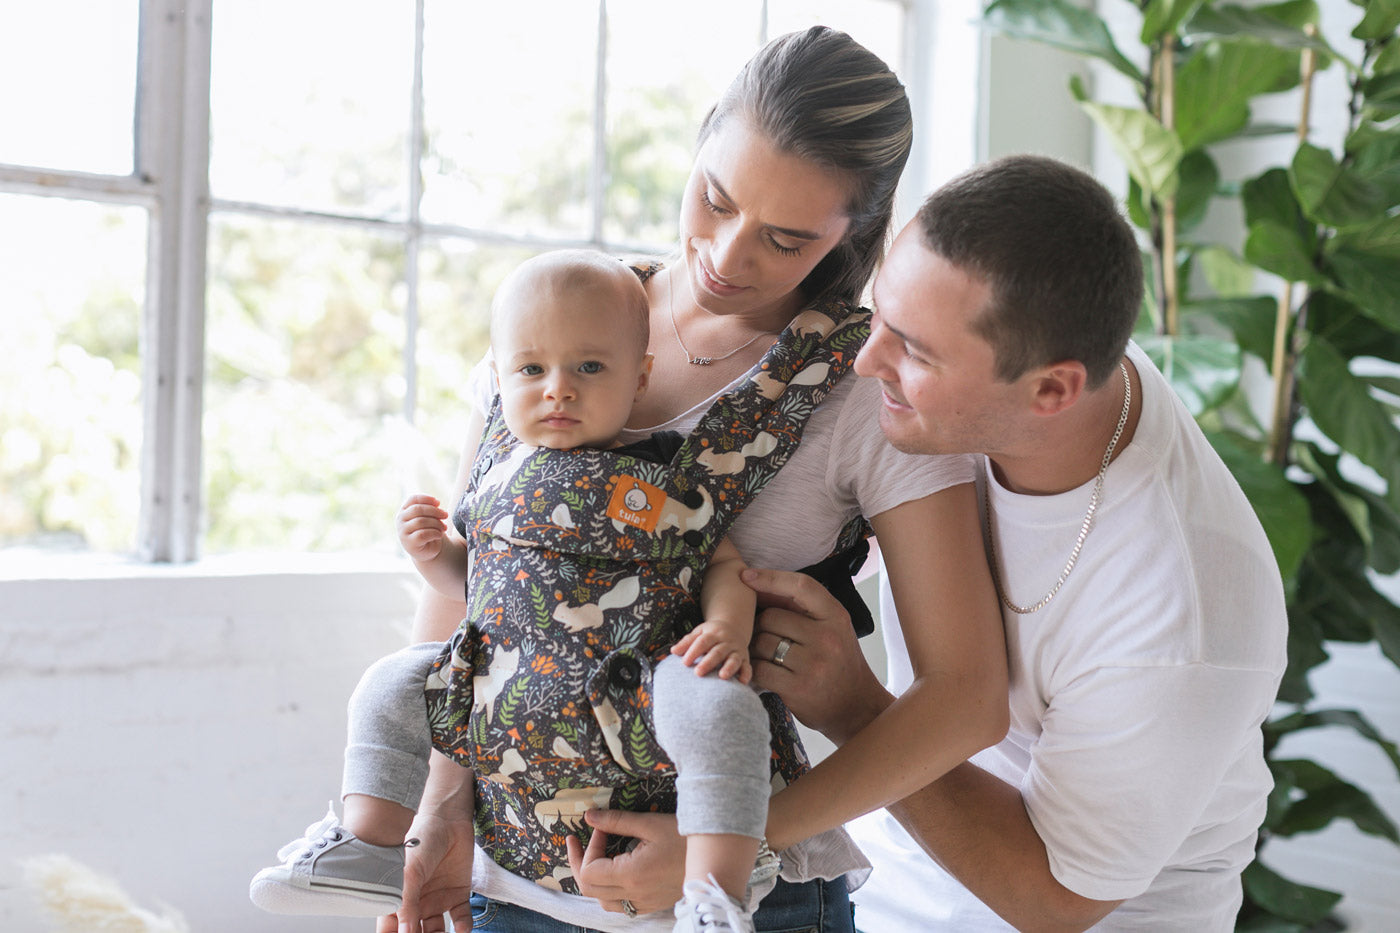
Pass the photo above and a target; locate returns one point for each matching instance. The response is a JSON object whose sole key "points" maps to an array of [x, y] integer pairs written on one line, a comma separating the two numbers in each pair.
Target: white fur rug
{"points": [[78, 899]]}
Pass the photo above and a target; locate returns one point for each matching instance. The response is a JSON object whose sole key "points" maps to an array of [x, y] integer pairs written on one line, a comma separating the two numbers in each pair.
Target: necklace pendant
{"points": [[701, 360]]}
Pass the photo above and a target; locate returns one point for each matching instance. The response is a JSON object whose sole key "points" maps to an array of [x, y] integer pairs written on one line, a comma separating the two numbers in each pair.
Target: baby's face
{"points": [[567, 377]]}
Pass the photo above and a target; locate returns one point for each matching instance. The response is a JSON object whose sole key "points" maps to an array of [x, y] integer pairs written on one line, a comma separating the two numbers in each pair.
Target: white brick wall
{"points": [[175, 729]]}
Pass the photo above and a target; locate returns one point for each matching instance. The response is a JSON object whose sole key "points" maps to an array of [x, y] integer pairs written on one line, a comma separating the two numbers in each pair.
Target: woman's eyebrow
{"points": [[785, 231]]}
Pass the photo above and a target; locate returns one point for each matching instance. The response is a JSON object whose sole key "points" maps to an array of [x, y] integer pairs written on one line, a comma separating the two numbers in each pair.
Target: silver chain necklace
{"points": [[701, 360], [1083, 529]]}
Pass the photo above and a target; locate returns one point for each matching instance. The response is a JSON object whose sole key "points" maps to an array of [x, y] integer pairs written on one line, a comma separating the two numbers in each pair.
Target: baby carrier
{"points": [[586, 568]]}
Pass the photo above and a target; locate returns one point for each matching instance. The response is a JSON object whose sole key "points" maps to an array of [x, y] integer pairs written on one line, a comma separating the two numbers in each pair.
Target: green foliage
{"points": [[1326, 224]]}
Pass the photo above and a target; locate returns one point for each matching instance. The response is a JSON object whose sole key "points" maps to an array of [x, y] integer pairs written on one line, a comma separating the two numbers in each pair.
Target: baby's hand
{"points": [[709, 647], [422, 525]]}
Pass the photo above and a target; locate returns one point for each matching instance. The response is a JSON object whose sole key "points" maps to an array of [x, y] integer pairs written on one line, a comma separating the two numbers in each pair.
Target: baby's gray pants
{"points": [[715, 731]]}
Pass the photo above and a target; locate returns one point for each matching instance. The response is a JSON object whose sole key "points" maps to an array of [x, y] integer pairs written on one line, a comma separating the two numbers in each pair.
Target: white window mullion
{"points": [[173, 154], [414, 234], [598, 179]]}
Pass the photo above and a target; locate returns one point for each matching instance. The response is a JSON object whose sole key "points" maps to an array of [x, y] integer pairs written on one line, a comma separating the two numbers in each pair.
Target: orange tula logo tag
{"points": [[636, 503]]}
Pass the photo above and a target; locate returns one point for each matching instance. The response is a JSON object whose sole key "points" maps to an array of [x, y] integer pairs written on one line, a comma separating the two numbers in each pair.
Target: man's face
{"points": [[941, 395]]}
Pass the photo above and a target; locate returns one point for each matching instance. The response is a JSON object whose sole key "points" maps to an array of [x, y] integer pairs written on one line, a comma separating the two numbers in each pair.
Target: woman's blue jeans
{"points": [[810, 907]]}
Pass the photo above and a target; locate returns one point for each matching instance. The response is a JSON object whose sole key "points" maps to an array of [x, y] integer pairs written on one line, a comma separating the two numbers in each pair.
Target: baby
{"points": [[569, 335]]}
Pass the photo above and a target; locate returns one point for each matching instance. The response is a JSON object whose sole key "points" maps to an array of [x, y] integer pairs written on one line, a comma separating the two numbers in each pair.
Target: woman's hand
{"points": [[436, 877], [650, 875]]}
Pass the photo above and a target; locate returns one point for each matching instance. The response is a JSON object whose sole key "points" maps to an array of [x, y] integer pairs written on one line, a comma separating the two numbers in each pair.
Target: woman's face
{"points": [[755, 221]]}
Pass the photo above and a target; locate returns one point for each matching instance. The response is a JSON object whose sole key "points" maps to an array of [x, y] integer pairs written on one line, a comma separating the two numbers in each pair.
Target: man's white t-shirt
{"points": [[1137, 693]]}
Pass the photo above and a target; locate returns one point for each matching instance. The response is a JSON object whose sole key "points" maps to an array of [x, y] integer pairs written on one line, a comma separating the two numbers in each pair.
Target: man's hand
{"points": [[437, 878], [650, 875], [823, 677], [422, 524], [711, 646]]}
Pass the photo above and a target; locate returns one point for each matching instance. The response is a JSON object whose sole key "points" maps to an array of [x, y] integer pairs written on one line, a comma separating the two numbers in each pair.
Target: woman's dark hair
{"points": [[821, 96]]}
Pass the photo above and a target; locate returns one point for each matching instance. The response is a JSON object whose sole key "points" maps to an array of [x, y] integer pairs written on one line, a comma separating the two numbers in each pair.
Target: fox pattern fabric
{"points": [[586, 568]]}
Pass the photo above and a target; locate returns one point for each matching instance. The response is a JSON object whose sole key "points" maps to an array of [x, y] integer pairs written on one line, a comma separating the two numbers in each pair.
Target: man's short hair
{"points": [[1062, 262]]}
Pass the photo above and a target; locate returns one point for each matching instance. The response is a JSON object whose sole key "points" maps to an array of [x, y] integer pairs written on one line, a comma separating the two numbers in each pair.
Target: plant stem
{"points": [[1285, 355]]}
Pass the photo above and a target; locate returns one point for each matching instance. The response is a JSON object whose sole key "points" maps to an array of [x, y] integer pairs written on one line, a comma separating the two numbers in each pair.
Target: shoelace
{"points": [[317, 836], [713, 907]]}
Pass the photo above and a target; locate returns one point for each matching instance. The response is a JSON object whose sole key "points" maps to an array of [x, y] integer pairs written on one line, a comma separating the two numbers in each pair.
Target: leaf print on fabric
{"points": [[548, 588]]}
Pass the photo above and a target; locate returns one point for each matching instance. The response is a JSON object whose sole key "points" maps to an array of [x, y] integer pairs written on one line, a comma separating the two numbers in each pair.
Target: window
{"points": [[247, 325]]}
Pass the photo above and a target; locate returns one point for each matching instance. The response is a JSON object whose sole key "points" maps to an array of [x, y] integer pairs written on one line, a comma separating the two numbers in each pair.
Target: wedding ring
{"points": [[629, 910], [780, 652]]}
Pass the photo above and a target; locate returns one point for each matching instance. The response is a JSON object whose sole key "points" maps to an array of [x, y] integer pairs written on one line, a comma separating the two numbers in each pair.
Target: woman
{"points": [[789, 203]]}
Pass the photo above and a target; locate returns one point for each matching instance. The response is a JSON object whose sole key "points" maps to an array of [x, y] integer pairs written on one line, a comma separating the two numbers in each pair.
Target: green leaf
{"points": [[1382, 95], [1346, 327], [1388, 60], [1317, 797], [1216, 83], [1281, 508], [1150, 150], [1376, 521], [1374, 153], [1283, 251], [1344, 718], [1251, 320], [1227, 274], [1270, 197], [1285, 898], [1365, 262], [1280, 25], [1387, 384], [1305, 652], [1381, 19], [1200, 180], [1162, 17], [1342, 407], [1062, 25], [1329, 193], [1203, 371], [1327, 598]]}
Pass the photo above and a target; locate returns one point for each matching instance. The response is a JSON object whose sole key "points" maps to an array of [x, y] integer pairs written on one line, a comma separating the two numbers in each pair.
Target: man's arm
{"points": [[970, 822], [976, 827]]}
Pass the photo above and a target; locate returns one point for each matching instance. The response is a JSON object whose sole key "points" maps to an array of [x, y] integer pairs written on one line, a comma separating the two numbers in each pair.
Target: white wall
{"points": [[174, 728]]}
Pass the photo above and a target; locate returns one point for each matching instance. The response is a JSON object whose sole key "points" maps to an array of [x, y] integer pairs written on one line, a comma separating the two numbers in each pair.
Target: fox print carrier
{"points": [[586, 568]]}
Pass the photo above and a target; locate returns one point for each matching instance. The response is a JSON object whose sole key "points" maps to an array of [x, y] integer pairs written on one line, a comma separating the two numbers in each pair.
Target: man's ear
{"points": [[1058, 386], [643, 377]]}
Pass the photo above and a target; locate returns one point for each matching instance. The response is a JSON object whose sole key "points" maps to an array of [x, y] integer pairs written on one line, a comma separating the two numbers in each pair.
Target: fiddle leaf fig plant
{"points": [[1304, 298]]}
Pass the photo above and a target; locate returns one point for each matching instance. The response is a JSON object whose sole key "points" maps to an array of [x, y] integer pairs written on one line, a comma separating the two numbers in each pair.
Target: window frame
{"points": [[170, 180]]}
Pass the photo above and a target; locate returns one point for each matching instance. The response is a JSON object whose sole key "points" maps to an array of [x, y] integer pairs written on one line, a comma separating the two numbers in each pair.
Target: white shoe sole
{"points": [[322, 897]]}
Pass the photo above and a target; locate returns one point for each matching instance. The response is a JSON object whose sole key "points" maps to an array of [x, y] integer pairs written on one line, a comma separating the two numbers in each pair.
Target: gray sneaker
{"points": [[707, 909], [329, 872]]}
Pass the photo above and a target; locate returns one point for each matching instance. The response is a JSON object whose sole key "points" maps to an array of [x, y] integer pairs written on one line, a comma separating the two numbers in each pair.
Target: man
{"points": [[1143, 608]]}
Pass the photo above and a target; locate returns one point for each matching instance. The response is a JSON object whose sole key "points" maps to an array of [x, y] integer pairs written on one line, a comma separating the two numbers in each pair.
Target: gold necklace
{"points": [[701, 360], [1083, 529]]}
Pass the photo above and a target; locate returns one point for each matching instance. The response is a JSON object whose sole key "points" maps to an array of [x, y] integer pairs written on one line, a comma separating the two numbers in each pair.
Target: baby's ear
{"points": [[644, 376]]}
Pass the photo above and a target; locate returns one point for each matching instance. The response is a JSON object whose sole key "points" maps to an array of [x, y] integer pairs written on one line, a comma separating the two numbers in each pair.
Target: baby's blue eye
{"points": [[531, 369], [592, 366]]}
